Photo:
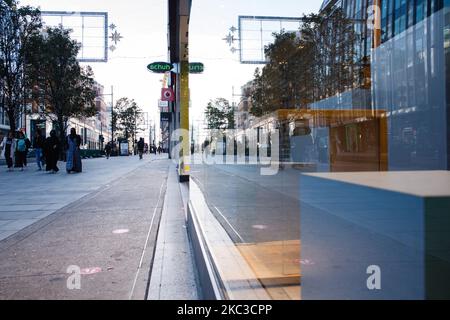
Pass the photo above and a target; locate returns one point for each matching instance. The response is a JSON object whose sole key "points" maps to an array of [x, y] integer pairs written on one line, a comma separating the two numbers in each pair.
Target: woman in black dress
{"points": [[52, 148]]}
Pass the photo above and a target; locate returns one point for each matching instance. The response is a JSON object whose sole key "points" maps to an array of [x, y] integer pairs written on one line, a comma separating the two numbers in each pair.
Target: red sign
{"points": [[167, 94]]}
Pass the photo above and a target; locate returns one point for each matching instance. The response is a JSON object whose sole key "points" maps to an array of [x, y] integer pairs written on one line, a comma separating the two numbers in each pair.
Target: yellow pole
{"points": [[184, 167]]}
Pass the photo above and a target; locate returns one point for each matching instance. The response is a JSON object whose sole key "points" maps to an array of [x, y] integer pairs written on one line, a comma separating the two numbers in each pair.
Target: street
{"points": [[102, 222]]}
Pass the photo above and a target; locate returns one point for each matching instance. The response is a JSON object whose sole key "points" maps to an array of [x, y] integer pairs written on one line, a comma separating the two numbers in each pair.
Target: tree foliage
{"points": [[315, 63], [219, 114], [17, 26], [62, 88], [126, 118]]}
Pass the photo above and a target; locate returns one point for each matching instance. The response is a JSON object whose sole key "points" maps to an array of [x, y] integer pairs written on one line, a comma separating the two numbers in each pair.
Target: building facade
{"points": [[243, 116], [410, 72], [407, 69], [4, 124], [94, 131]]}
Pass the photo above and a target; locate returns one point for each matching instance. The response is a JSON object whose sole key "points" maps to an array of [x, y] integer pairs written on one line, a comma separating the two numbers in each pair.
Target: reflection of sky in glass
{"points": [[257, 33]]}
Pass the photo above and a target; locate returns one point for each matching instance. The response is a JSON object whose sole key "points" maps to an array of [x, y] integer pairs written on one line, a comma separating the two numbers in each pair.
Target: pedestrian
{"points": [[38, 145], [73, 143], [108, 149], [28, 146], [141, 146], [20, 151], [159, 149], [7, 146], [52, 148]]}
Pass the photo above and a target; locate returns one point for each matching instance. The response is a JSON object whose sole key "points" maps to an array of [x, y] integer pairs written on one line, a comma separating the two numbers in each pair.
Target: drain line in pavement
{"points": [[146, 242]]}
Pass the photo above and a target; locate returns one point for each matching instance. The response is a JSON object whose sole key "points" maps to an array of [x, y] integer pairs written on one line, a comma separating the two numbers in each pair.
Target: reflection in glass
{"points": [[351, 109]]}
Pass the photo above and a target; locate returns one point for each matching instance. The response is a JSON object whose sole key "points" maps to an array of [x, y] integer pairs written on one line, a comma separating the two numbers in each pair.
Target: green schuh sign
{"points": [[160, 67], [196, 67], [163, 67]]}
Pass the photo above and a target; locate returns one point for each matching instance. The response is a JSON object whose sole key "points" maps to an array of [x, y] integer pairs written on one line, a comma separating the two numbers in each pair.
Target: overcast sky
{"points": [[143, 25]]}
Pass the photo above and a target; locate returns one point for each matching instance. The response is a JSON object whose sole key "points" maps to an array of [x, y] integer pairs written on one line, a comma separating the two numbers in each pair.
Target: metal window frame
{"points": [[86, 14], [260, 18]]}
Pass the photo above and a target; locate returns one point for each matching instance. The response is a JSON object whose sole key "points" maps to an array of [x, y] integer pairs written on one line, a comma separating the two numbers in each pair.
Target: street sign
{"points": [[160, 67], [165, 116], [167, 94], [164, 108], [163, 67], [196, 67], [162, 104]]}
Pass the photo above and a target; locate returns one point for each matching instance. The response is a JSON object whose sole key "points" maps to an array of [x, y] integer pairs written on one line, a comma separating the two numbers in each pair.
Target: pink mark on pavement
{"points": [[88, 271], [259, 226], [121, 231]]}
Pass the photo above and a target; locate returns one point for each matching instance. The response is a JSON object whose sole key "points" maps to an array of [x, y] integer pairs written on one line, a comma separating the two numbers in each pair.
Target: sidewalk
{"points": [[105, 224], [174, 273], [29, 196]]}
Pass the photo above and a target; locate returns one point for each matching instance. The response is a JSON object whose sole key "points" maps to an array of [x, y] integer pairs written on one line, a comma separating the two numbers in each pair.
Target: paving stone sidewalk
{"points": [[29, 196], [108, 232]]}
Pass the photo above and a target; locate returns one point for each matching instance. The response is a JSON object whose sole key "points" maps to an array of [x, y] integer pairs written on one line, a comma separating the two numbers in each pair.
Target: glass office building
{"points": [[410, 71]]}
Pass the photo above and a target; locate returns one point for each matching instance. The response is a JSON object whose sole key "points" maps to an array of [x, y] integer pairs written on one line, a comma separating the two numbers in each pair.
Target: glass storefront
{"points": [[321, 148]]}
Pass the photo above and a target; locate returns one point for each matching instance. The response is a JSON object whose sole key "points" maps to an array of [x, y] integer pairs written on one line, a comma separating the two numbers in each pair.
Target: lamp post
{"points": [[101, 139], [112, 113]]}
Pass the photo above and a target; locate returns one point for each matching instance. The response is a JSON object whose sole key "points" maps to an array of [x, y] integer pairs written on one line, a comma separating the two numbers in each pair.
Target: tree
{"points": [[114, 122], [17, 26], [126, 118], [315, 63], [257, 95], [219, 114], [62, 88]]}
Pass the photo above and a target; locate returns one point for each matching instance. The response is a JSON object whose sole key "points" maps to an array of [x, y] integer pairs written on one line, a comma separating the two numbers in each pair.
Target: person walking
{"points": [[27, 147], [108, 149], [38, 145], [141, 146], [7, 146], [73, 142], [52, 148], [20, 151]]}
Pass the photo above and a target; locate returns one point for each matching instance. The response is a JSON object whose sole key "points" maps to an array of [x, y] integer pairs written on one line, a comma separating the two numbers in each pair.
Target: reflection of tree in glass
{"points": [[315, 63], [219, 114]]}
